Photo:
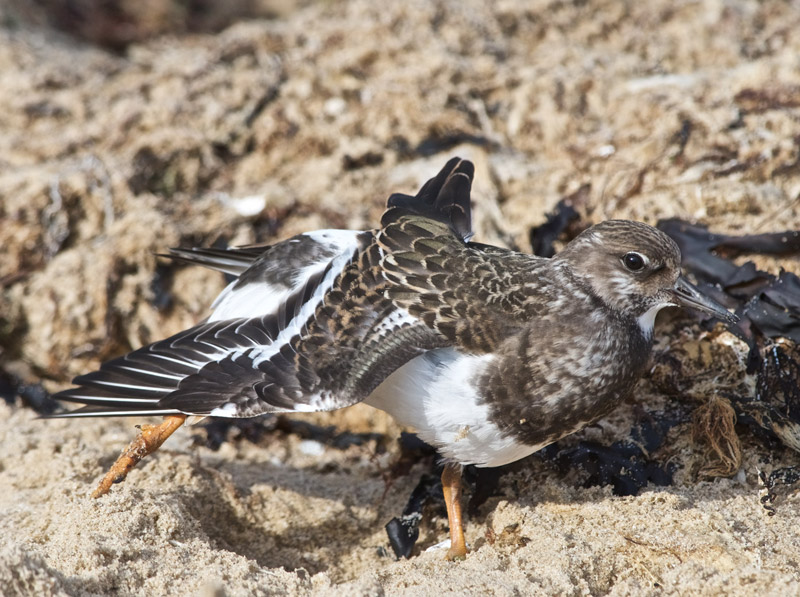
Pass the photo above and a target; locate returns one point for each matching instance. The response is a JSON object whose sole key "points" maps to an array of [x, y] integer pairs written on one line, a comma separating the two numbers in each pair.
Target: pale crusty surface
{"points": [[685, 109]]}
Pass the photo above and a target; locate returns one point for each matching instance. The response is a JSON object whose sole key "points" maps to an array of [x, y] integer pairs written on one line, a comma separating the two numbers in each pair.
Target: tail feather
{"points": [[231, 261], [104, 397], [110, 411]]}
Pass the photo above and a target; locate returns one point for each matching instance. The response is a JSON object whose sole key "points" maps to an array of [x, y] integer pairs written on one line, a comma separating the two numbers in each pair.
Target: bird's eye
{"points": [[635, 262]]}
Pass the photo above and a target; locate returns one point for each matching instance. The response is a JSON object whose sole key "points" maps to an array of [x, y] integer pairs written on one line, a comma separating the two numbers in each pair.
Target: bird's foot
{"points": [[456, 553], [451, 488], [148, 441]]}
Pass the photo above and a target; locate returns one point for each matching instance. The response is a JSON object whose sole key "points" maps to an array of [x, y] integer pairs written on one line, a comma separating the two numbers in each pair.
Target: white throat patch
{"points": [[648, 318]]}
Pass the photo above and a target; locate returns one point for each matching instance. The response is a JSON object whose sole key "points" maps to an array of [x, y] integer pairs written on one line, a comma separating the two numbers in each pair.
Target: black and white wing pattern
{"points": [[310, 324], [242, 354]]}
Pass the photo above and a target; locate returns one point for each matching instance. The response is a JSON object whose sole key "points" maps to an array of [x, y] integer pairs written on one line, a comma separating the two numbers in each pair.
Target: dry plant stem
{"points": [[451, 487], [148, 441]]}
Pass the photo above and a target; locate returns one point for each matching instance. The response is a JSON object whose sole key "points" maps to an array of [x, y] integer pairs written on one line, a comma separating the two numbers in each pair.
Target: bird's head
{"points": [[635, 268]]}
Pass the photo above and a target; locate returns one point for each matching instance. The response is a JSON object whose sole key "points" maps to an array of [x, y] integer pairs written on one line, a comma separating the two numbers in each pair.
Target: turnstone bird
{"points": [[488, 353]]}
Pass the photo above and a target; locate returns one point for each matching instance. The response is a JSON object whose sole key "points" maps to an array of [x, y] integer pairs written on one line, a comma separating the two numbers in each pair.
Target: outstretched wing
{"points": [[327, 343], [243, 360]]}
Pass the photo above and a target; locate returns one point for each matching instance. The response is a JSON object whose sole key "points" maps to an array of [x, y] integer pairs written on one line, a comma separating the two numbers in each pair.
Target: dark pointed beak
{"points": [[688, 295]]}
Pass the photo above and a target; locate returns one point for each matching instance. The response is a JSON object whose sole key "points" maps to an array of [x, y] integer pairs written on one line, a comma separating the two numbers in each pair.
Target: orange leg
{"points": [[451, 487], [149, 440]]}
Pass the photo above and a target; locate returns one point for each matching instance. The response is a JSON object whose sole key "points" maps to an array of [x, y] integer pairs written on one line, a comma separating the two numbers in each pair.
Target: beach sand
{"points": [[309, 120]]}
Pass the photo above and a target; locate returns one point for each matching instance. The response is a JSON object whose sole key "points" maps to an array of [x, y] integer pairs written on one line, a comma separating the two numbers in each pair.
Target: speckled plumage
{"points": [[322, 320], [490, 354], [567, 345], [335, 313]]}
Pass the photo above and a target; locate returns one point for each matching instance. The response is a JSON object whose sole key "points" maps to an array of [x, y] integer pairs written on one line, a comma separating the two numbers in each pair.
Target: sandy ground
{"points": [[273, 127]]}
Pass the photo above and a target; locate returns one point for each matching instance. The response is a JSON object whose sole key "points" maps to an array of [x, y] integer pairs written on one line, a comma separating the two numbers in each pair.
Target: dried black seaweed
{"points": [[256, 428], [769, 311], [32, 395], [766, 304], [218, 430], [560, 223], [328, 435], [775, 408], [775, 309], [160, 287], [483, 483], [626, 464], [781, 477], [403, 530]]}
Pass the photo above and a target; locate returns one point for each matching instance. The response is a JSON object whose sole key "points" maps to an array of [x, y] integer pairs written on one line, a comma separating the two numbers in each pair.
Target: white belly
{"points": [[434, 394]]}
